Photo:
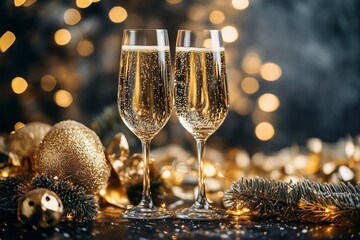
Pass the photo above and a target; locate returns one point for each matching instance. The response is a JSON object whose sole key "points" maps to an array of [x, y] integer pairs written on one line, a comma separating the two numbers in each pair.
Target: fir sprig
{"points": [[77, 204], [305, 201]]}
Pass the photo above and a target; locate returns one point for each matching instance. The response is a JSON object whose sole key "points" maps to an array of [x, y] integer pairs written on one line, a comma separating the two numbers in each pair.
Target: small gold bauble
{"points": [[41, 208], [74, 152], [25, 141]]}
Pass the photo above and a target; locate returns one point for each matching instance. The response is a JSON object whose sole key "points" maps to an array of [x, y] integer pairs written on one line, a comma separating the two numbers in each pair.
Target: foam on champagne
{"points": [[145, 48], [197, 49]]}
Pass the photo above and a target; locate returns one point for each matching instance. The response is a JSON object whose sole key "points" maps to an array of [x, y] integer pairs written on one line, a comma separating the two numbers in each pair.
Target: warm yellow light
{"points": [[207, 43], [102, 192], [62, 37], [220, 194], [268, 102], [314, 145], [264, 131], [95, 1], [166, 174], [19, 85], [18, 3], [217, 17], [251, 63], [240, 4], [174, 1], [6, 40], [249, 85], [72, 16], [28, 3], [85, 48], [48, 83], [270, 71], [18, 125], [4, 174], [118, 14], [63, 98], [83, 3], [209, 169], [197, 12], [229, 34]]}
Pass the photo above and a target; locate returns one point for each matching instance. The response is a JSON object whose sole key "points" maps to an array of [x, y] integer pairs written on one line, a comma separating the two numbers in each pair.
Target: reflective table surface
{"points": [[109, 225]]}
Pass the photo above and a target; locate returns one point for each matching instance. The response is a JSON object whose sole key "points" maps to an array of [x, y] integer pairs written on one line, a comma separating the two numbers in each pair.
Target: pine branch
{"points": [[76, 202], [262, 198], [305, 201], [7, 189]]}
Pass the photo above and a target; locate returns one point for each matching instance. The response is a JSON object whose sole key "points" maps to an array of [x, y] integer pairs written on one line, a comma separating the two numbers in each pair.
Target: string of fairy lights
{"points": [[245, 73]]}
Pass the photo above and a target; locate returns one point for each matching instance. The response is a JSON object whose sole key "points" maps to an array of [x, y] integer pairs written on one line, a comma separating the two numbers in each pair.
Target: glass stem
{"points": [[201, 200], [146, 200]]}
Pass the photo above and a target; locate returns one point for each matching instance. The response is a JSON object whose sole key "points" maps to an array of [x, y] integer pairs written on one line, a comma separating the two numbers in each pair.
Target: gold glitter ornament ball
{"points": [[25, 141], [74, 152]]}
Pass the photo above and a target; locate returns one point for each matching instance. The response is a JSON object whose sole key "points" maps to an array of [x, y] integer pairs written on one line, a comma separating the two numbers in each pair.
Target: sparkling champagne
{"points": [[145, 90], [201, 96]]}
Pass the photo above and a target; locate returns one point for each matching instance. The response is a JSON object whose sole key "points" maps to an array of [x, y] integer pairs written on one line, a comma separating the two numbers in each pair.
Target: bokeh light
{"points": [[196, 12], [251, 63], [217, 17], [174, 1], [48, 83], [85, 48], [6, 40], [72, 16], [19, 3], [18, 125], [19, 85], [28, 3], [270, 71], [62, 37], [250, 85], [240, 4], [264, 131], [268, 102], [83, 3], [229, 34], [63, 98], [118, 14]]}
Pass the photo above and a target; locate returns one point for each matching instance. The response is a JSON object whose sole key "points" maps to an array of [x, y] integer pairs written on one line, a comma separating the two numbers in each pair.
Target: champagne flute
{"points": [[145, 100], [201, 101]]}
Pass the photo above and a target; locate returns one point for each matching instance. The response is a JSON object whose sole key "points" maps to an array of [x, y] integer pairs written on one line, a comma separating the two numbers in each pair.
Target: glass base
{"points": [[198, 212], [139, 212]]}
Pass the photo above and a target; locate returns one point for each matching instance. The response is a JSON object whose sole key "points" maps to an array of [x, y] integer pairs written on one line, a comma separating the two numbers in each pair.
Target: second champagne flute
{"points": [[201, 101], [145, 100]]}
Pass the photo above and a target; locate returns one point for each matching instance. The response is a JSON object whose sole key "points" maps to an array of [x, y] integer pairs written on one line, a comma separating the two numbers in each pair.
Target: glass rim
{"points": [[144, 29], [199, 30]]}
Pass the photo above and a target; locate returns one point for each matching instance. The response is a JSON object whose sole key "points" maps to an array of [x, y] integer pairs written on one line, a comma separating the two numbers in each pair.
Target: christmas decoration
{"points": [[305, 201], [77, 205], [41, 208], [117, 153], [25, 141], [134, 183], [72, 151], [126, 182]]}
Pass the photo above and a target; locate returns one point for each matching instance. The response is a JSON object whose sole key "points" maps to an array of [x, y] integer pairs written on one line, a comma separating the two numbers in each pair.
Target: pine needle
{"points": [[305, 201]]}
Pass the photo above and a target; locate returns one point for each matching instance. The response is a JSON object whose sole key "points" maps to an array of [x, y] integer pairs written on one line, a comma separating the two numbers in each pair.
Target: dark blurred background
{"points": [[293, 66]]}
